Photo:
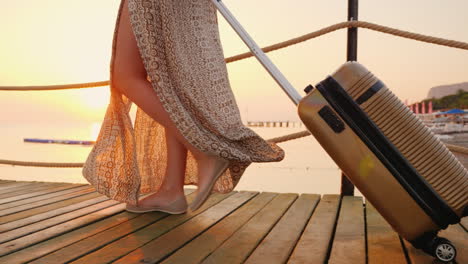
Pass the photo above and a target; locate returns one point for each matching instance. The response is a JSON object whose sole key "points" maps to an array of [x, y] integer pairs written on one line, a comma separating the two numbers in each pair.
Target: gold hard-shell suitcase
{"points": [[396, 162]]}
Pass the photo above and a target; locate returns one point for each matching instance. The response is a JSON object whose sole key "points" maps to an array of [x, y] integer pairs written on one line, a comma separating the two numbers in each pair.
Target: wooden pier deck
{"points": [[71, 223]]}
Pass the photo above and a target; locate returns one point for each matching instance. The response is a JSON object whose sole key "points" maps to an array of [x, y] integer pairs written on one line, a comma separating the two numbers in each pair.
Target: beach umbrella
{"points": [[455, 111]]}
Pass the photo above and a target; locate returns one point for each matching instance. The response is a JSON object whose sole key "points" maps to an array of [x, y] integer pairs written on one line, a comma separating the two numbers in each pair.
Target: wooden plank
{"points": [[5, 181], [277, 246], [464, 223], [239, 246], [203, 245], [35, 251], [49, 214], [20, 186], [456, 234], [383, 244], [41, 195], [27, 188], [167, 243], [17, 244], [141, 237], [77, 197], [51, 245], [314, 244], [349, 244], [17, 186], [39, 203], [94, 242], [97, 241], [25, 230], [10, 185]]}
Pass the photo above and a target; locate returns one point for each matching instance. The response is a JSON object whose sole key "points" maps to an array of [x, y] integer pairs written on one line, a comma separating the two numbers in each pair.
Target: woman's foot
{"points": [[207, 167], [164, 201], [210, 168], [160, 198]]}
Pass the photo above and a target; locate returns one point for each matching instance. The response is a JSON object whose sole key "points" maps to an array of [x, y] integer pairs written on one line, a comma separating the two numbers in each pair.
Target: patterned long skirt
{"points": [[180, 47]]}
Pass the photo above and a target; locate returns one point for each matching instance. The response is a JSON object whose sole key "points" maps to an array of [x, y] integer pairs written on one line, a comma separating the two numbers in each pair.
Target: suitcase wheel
{"points": [[444, 250]]}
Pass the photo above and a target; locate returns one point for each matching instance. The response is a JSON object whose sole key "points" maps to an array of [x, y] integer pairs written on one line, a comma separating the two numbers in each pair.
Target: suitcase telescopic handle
{"points": [[258, 52]]}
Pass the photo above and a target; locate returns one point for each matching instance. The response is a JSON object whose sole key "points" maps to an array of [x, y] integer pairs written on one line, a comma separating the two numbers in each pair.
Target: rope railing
{"points": [[55, 87], [457, 149], [305, 133], [281, 45], [361, 24], [289, 137], [80, 164], [42, 164]]}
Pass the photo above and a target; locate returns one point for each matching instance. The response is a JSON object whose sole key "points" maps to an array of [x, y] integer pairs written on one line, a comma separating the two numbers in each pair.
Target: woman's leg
{"points": [[129, 77], [176, 161], [172, 186]]}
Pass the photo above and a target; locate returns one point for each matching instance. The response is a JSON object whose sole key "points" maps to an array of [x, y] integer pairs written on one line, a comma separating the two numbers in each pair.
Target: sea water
{"points": [[306, 168]]}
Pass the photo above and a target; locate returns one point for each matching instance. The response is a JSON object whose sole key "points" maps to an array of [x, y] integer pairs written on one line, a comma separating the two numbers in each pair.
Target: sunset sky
{"points": [[50, 42]]}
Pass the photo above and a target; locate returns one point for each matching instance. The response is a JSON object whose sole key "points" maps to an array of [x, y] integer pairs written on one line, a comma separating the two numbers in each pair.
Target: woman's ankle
{"points": [[173, 191]]}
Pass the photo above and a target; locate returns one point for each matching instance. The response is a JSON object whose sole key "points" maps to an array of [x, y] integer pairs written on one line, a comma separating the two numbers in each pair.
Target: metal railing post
{"points": [[352, 32], [347, 188]]}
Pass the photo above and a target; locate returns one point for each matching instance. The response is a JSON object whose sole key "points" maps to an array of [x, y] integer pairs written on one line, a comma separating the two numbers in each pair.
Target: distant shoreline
{"points": [[458, 139]]}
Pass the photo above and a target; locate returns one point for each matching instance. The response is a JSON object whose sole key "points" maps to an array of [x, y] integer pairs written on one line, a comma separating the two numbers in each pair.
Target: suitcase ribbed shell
{"points": [[428, 155]]}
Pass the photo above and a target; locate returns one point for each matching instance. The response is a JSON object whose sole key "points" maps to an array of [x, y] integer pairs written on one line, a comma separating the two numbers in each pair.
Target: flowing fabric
{"points": [[181, 50]]}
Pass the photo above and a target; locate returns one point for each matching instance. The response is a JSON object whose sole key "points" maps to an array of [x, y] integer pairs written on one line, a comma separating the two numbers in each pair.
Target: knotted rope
{"points": [[281, 45], [42, 164], [457, 149], [361, 24], [301, 134], [55, 87], [289, 137], [305, 133]]}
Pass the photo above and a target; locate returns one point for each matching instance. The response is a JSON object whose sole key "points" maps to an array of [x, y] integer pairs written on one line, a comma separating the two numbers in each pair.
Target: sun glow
{"points": [[95, 98], [49, 42]]}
